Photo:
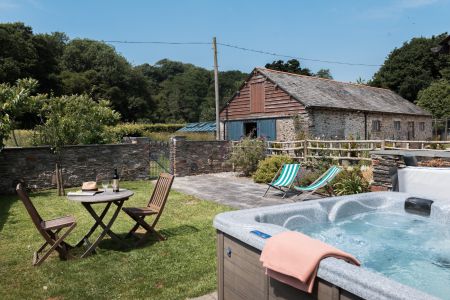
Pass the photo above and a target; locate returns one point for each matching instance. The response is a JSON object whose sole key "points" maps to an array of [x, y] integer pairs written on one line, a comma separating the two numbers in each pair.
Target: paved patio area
{"points": [[229, 189]]}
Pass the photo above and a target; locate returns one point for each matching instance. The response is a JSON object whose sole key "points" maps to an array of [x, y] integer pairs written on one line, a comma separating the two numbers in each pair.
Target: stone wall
{"points": [[285, 129], [35, 165], [382, 163], [199, 157], [337, 124], [384, 160]]}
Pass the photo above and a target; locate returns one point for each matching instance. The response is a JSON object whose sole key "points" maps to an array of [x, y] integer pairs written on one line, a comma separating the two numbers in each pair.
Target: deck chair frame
{"points": [[304, 194], [282, 189], [49, 230], [155, 207]]}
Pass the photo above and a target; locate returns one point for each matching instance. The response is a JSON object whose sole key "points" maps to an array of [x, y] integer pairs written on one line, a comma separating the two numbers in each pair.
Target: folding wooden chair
{"points": [[154, 207], [49, 230]]}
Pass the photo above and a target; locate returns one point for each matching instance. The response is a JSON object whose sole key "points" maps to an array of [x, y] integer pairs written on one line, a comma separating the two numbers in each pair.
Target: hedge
{"points": [[116, 133]]}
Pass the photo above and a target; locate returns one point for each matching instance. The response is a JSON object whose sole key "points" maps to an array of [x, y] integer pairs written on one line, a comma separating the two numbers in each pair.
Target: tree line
{"points": [[167, 91], [171, 91]]}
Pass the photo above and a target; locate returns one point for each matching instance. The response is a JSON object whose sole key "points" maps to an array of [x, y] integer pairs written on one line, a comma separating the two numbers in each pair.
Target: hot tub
{"points": [[405, 254]]}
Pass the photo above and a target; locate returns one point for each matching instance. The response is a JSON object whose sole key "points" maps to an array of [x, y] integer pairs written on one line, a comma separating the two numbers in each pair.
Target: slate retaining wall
{"points": [[36, 165], [199, 157]]}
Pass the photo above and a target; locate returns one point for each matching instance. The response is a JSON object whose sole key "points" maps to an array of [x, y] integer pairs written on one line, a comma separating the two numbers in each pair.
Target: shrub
{"points": [[349, 182], [247, 154], [268, 167], [73, 120]]}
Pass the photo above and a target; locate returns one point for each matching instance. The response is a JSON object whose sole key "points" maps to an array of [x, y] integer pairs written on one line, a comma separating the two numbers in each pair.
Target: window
{"points": [[376, 125], [397, 125], [422, 126], [257, 97]]}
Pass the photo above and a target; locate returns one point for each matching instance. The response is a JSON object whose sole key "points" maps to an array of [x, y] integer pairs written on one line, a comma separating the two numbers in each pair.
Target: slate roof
{"points": [[199, 127], [326, 93]]}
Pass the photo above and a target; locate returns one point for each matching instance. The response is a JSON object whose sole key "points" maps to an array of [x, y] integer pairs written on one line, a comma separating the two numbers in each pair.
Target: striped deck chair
{"points": [[284, 179], [320, 182]]}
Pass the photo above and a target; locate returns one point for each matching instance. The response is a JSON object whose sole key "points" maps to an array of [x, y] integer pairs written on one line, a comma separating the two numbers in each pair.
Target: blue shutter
{"points": [[235, 130], [267, 129]]}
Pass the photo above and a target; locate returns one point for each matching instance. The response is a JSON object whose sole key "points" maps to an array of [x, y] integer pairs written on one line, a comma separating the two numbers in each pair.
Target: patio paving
{"points": [[229, 189]]}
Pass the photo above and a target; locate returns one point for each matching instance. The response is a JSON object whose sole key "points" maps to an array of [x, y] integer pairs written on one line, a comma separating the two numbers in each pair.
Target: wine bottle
{"points": [[115, 181]]}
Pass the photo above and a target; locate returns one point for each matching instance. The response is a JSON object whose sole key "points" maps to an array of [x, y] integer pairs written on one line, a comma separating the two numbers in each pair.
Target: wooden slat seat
{"points": [[155, 207], [50, 230], [140, 211], [58, 223]]}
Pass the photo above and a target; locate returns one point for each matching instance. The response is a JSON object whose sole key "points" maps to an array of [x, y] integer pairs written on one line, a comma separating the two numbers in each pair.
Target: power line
{"points": [[246, 49], [158, 42], [298, 57]]}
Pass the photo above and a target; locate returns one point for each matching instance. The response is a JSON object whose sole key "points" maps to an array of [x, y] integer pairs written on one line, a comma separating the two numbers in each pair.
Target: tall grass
{"points": [[23, 137]]}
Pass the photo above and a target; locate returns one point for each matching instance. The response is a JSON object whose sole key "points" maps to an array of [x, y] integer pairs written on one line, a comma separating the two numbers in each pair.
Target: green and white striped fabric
{"points": [[327, 177], [287, 175]]}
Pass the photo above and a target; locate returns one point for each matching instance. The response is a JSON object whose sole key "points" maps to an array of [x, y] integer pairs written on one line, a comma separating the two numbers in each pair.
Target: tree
{"points": [[412, 67], [18, 55], [49, 50], [95, 68], [72, 120], [166, 91], [361, 80], [182, 95], [291, 66], [324, 73], [436, 99], [15, 100]]}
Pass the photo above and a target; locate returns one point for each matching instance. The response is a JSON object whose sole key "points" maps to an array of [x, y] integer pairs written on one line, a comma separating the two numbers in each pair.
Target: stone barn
{"points": [[281, 106]]}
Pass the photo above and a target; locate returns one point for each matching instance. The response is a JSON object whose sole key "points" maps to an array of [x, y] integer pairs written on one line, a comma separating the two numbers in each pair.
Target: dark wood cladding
{"points": [[274, 103], [241, 276]]}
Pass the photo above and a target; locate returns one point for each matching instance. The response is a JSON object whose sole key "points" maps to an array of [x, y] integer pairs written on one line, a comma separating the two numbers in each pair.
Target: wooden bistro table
{"points": [[107, 198]]}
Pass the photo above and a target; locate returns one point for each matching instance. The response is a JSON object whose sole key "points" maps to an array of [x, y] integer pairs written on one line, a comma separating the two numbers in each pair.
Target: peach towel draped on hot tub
{"points": [[293, 258]]}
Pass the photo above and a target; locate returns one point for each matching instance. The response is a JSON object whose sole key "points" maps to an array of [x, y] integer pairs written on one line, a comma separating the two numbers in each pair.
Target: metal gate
{"points": [[159, 161]]}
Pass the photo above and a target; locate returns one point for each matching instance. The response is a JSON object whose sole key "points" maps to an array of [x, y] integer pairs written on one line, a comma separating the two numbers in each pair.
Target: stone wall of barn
{"points": [[335, 124], [285, 129], [388, 130]]}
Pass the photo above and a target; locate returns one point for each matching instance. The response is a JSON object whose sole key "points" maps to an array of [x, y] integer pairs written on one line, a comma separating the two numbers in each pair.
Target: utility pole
{"points": [[216, 88]]}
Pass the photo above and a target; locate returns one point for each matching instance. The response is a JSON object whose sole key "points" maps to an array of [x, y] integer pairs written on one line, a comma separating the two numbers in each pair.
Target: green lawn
{"points": [[181, 267]]}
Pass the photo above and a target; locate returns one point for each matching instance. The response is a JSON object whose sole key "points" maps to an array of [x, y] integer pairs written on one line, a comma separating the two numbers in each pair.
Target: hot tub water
{"points": [[407, 248]]}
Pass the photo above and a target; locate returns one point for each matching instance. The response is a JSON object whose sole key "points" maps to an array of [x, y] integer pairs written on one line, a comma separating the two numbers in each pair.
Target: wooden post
{"points": [[349, 152], [383, 144], [305, 150], [446, 129], [216, 88]]}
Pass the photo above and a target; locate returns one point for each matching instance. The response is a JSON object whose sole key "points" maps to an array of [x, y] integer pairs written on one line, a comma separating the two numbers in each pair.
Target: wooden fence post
{"points": [[305, 150], [383, 144]]}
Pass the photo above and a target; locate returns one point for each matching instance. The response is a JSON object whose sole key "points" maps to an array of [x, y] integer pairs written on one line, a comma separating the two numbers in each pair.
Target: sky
{"points": [[350, 31]]}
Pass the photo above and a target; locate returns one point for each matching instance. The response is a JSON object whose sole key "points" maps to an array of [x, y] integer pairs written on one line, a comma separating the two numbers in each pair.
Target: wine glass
{"points": [[105, 184]]}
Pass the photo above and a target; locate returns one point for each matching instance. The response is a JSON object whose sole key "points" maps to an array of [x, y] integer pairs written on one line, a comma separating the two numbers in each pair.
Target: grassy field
{"points": [[183, 266], [24, 138]]}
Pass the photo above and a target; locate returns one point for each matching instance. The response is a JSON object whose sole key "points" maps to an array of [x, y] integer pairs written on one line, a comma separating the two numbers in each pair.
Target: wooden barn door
{"points": [[234, 130], [411, 132], [257, 97], [267, 129]]}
